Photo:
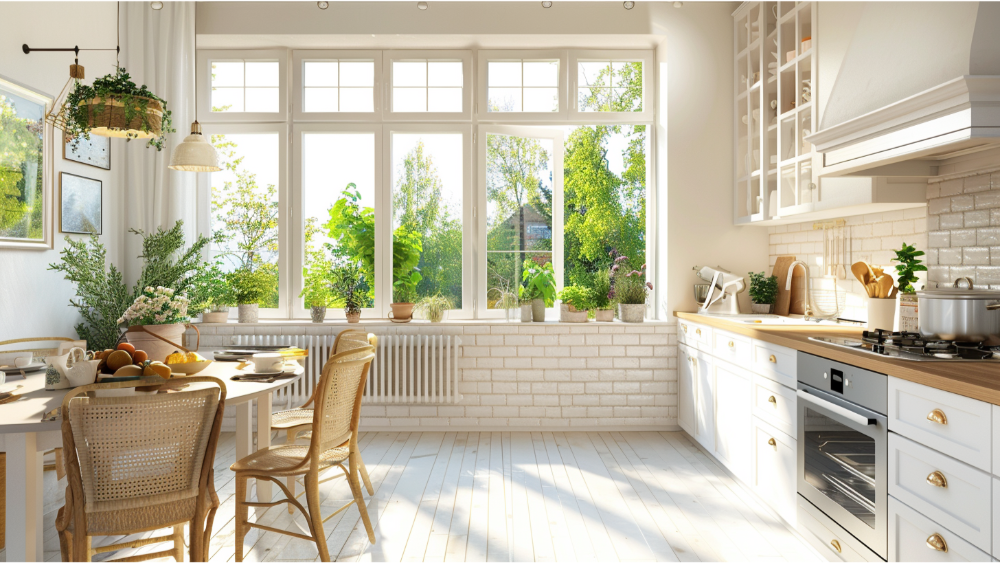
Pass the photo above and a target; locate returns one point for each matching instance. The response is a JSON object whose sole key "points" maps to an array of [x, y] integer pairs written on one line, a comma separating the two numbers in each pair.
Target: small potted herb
{"points": [[630, 289], [539, 286], [404, 291], [601, 297], [347, 286], [249, 287], [506, 299], [763, 293], [576, 301], [434, 306], [211, 294], [316, 290], [909, 265]]}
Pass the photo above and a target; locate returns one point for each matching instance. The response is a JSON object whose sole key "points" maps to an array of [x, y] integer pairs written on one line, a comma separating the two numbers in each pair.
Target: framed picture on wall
{"points": [[80, 202], [25, 168], [94, 152]]}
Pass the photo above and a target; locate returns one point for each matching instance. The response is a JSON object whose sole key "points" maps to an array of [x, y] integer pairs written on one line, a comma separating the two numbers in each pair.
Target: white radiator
{"points": [[407, 369]]}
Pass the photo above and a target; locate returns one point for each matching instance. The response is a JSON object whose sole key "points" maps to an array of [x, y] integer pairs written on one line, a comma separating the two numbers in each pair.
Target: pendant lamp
{"points": [[195, 153]]}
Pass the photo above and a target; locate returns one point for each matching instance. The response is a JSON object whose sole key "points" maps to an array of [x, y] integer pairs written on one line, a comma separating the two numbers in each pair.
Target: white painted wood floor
{"points": [[516, 496]]}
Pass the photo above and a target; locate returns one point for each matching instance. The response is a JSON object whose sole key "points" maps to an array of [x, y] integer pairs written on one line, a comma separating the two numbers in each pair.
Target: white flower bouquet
{"points": [[156, 306]]}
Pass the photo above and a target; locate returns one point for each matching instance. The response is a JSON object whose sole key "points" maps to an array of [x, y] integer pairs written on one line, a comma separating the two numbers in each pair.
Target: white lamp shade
{"points": [[195, 154]]}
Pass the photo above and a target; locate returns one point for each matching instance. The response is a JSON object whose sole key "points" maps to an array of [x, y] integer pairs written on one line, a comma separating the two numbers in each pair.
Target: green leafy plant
{"points": [[601, 290], [102, 296], [628, 286], [578, 297], [316, 284], [539, 282], [909, 264], [404, 289], [763, 288], [348, 287], [434, 307], [209, 290], [249, 286], [119, 88]]}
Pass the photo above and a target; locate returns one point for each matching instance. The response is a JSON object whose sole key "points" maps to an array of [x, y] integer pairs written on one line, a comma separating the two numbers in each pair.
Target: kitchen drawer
{"points": [[695, 335], [732, 348], [773, 479], [775, 362], [996, 521], [774, 403], [996, 440], [911, 534], [827, 537], [962, 504], [964, 431]]}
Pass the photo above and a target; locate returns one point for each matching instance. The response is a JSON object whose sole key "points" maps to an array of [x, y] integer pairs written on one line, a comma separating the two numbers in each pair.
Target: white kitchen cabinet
{"points": [[996, 440], [776, 363], [915, 537], [774, 403], [827, 537], [774, 478], [996, 519], [687, 386], [732, 418], [705, 394], [732, 348]]}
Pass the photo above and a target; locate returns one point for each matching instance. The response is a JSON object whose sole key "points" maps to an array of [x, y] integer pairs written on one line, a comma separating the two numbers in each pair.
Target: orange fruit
{"points": [[139, 357], [127, 347], [156, 368], [119, 359], [176, 358], [190, 357]]}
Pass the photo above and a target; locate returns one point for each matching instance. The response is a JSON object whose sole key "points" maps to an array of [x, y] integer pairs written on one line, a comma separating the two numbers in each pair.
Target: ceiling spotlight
{"points": [[156, 5], [322, 5], [628, 4], [422, 5], [678, 4], [547, 4]]}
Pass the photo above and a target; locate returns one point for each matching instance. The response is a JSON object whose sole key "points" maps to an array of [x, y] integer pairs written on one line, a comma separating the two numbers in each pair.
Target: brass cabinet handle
{"points": [[772, 443], [772, 400], [697, 331], [937, 416], [732, 344], [685, 327], [772, 359], [937, 543], [836, 546], [937, 479]]}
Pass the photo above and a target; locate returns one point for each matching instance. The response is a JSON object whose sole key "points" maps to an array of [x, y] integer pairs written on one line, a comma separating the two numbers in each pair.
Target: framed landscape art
{"points": [[80, 202], [25, 168], [94, 152]]}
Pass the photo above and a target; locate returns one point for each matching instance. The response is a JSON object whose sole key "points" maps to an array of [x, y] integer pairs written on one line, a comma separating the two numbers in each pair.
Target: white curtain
{"points": [[157, 49]]}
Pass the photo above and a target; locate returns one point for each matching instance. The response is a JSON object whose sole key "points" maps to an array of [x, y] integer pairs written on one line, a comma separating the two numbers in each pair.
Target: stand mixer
{"points": [[723, 287]]}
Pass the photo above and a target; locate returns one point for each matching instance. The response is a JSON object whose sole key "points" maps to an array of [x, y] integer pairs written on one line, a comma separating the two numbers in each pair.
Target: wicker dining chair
{"points": [[140, 461], [297, 422], [334, 440]]}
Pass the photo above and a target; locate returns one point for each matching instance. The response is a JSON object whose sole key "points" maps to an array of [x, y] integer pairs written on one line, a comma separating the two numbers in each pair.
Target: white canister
{"points": [[881, 313]]}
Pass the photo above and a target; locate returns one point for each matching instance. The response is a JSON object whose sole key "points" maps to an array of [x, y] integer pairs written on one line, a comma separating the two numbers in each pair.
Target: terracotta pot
{"points": [[569, 314], [144, 337], [401, 312], [317, 314], [248, 313], [632, 312], [526, 313], [538, 310], [215, 317], [604, 315], [353, 317]]}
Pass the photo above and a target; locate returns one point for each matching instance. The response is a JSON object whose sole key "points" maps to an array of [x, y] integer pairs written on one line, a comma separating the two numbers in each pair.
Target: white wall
{"points": [[33, 300]]}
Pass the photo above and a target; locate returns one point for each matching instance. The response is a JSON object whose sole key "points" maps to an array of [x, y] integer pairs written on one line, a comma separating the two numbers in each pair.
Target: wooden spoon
{"points": [[884, 286], [860, 271]]}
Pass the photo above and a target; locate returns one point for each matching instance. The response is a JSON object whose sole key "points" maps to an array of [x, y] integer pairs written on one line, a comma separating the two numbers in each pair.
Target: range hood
{"points": [[909, 87]]}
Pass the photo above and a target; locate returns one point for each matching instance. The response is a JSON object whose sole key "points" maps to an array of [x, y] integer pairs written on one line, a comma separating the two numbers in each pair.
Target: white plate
{"points": [[26, 369]]}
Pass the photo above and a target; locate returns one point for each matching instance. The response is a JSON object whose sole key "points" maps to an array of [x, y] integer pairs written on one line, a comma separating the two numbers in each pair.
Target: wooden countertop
{"points": [[977, 380]]}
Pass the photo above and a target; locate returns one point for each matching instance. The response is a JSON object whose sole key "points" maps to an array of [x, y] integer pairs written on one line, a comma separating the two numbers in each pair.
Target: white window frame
{"points": [[468, 209], [577, 56], [204, 94], [482, 98], [284, 239], [558, 146], [298, 215], [431, 56], [301, 56]]}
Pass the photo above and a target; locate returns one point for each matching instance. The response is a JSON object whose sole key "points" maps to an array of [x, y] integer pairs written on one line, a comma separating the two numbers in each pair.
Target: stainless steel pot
{"points": [[959, 313]]}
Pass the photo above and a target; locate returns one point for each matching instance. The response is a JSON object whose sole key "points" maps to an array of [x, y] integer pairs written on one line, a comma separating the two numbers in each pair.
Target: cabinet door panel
{"points": [[732, 418], [705, 394], [911, 535], [687, 385], [774, 476]]}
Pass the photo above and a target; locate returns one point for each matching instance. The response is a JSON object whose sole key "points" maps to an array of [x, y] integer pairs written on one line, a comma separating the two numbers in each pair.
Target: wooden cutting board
{"points": [[784, 299]]}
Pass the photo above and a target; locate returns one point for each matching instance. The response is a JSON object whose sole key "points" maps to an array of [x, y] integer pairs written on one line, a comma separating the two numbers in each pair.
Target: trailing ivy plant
{"points": [[909, 264], [119, 87]]}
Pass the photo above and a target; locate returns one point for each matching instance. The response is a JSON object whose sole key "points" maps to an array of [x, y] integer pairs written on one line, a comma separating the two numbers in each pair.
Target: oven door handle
{"points": [[837, 409]]}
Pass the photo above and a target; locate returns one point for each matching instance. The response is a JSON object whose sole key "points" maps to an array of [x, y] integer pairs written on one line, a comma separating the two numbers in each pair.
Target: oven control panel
{"points": [[867, 388]]}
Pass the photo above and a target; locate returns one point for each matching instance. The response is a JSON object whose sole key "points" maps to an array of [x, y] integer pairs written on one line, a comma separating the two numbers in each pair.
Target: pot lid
{"points": [[963, 288]]}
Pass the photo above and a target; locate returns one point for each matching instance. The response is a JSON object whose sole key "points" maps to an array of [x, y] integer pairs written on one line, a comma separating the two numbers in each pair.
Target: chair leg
{"points": [[352, 478], [65, 541], [241, 514], [364, 476], [315, 516], [178, 536], [290, 481]]}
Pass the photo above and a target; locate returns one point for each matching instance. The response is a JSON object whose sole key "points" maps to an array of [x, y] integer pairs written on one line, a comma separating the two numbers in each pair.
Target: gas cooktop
{"points": [[912, 346]]}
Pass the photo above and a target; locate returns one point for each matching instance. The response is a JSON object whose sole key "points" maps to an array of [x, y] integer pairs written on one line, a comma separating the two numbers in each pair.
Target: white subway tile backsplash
{"points": [[963, 203], [939, 205], [988, 237], [975, 255], [988, 200], [963, 237], [939, 239], [952, 220], [951, 187], [950, 256], [979, 183]]}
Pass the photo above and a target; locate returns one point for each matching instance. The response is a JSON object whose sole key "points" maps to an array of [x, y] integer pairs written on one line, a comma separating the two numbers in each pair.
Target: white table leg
{"points": [[244, 431], [24, 498], [264, 442]]}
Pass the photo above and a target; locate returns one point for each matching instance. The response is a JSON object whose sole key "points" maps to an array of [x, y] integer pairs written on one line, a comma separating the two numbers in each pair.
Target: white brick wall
{"points": [[530, 375], [964, 230], [871, 238]]}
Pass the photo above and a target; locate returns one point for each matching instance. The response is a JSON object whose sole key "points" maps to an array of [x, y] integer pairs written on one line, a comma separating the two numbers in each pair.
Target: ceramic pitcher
{"points": [[57, 368]]}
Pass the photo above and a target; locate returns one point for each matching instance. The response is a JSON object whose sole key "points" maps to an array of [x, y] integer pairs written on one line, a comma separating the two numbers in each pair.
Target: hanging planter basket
{"points": [[110, 117]]}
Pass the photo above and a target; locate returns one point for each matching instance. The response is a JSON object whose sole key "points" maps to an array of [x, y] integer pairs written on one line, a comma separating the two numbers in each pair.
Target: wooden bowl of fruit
{"points": [[126, 361], [186, 363]]}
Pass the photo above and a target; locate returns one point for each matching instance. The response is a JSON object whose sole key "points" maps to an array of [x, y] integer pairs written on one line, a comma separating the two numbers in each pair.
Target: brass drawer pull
{"points": [[732, 344], [772, 400], [772, 443], [937, 416], [937, 543], [772, 359], [836, 546], [685, 327], [937, 479], [698, 331]]}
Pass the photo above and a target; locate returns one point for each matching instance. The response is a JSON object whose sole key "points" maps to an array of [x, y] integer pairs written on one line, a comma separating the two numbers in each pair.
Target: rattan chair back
{"points": [[338, 400]]}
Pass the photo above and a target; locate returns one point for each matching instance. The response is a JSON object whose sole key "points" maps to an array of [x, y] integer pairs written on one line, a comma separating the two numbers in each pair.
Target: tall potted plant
{"points": [[601, 297], [210, 293], [763, 293], [906, 270], [347, 286], [630, 290], [539, 287], [115, 107], [156, 321], [404, 292], [316, 290], [250, 287]]}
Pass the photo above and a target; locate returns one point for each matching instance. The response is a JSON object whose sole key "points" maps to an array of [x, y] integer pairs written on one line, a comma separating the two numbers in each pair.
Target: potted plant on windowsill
{"points": [[575, 304], [434, 307], [539, 286], [347, 287], [249, 288], [316, 290], [404, 291], [630, 290], [600, 297], [210, 294], [763, 293], [506, 299]]}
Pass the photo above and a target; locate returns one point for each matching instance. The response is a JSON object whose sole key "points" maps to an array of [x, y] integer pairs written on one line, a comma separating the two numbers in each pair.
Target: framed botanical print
{"points": [[80, 203], [25, 168], [95, 151]]}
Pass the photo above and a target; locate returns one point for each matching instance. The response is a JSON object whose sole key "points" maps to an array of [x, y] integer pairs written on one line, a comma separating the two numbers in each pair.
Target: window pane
{"points": [[360, 73], [262, 74], [444, 99], [338, 187], [262, 99], [504, 99], [320, 74], [245, 209], [427, 193], [227, 73], [504, 73], [409, 99], [409, 73], [594, 74], [22, 123], [227, 99], [357, 99], [320, 99], [610, 86], [542, 73], [541, 99], [503, 273], [444, 74]]}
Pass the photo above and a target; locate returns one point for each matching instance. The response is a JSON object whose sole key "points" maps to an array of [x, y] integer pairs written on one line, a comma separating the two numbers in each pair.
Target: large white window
{"points": [[242, 86], [422, 178]]}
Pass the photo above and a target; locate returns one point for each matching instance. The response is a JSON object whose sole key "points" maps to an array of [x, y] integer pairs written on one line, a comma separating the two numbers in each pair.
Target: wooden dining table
{"points": [[25, 436]]}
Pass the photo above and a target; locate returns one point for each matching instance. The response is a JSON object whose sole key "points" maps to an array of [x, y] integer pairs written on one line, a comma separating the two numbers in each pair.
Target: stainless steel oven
{"points": [[842, 441]]}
